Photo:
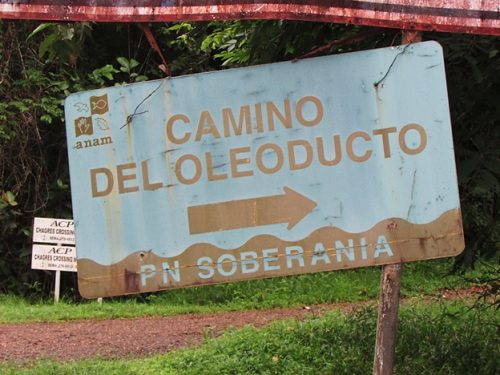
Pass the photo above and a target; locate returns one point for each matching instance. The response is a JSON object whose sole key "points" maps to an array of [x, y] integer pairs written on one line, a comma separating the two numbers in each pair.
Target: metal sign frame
{"points": [[459, 16]]}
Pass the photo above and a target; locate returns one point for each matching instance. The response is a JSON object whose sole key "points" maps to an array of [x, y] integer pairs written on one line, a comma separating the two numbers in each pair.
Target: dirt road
{"points": [[120, 338], [21, 342]]}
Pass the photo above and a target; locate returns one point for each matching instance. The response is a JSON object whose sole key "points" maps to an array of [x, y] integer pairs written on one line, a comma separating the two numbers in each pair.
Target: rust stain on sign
{"points": [[462, 16]]}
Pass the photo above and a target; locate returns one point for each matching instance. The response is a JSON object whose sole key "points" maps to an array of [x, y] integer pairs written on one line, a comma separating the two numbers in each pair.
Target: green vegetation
{"points": [[351, 285], [445, 339], [40, 64]]}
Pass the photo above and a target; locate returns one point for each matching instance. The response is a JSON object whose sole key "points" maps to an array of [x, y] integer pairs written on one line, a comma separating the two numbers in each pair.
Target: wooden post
{"points": [[390, 282], [385, 343]]}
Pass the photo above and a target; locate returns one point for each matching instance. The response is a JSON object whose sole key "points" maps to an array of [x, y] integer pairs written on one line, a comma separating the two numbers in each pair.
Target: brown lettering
{"points": [[178, 169], [291, 154], [402, 139], [230, 122], [235, 162], [260, 155], [210, 169], [272, 110], [385, 139], [170, 131], [121, 178], [145, 178], [350, 151], [206, 118], [319, 111], [336, 151], [93, 181], [258, 117]]}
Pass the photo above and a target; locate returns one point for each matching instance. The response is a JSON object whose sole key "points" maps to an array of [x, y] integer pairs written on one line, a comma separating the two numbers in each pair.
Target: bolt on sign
{"points": [[321, 164], [462, 16]]}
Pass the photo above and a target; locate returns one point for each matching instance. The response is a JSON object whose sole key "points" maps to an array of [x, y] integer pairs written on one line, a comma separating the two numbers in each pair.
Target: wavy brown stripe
{"points": [[328, 248]]}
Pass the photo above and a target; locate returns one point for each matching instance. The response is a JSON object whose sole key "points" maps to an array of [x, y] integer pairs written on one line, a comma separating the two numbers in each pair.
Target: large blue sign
{"points": [[319, 164]]}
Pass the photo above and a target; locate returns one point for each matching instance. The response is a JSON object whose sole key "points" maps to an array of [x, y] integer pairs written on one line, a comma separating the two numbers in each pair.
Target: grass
{"points": [[351, 285], [432, 339]]}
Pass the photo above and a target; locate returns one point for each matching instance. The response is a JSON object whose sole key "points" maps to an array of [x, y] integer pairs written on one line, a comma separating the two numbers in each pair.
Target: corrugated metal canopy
{"points": [[462, 16]]}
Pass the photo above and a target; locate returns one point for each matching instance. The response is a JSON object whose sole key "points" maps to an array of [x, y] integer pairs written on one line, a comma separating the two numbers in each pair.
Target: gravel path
{"points": [[139, 337], [115, 338]]}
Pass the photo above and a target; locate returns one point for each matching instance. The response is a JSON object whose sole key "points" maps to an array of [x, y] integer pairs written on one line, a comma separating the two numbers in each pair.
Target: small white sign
{"points": [[53, 258], [56, 231]]}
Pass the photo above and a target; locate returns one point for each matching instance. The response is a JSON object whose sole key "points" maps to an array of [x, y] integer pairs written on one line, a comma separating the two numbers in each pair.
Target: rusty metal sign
{"points": [[320, 164], [463, 16]]}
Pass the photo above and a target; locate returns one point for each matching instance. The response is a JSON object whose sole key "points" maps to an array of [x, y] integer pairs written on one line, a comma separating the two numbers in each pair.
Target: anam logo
{"points": [[84, 125]]}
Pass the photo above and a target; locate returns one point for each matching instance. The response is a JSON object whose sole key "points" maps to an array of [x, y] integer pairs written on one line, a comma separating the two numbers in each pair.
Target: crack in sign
{"points": [[130, 118], [376, 84]]}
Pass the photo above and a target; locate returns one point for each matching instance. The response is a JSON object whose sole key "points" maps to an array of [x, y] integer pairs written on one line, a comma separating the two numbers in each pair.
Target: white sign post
{"points": [[54, 248]]}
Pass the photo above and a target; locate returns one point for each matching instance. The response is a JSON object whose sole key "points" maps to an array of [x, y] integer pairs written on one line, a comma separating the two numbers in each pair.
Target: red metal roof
{"points": [[462, 16]]}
